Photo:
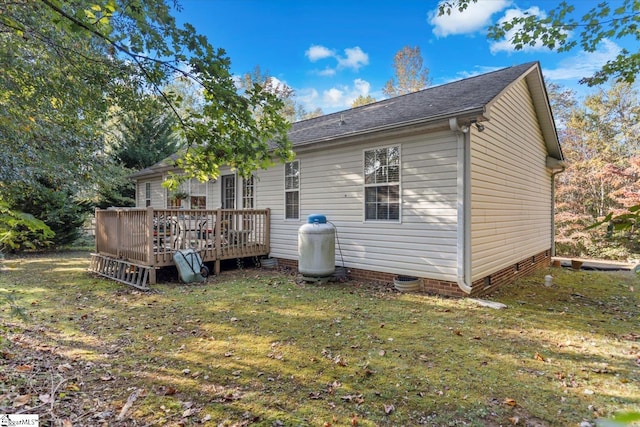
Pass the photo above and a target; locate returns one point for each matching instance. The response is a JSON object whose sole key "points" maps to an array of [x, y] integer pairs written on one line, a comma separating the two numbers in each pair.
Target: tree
{"points": [[138, 139], [555, 30], [68, 61], [147, 135], [601, 179], [410, 75], [362, 100], [272, 85]]}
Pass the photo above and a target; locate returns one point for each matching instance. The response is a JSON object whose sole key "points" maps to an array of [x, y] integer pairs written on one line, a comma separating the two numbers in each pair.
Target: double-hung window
{"points": [[292, 190], [382, 184], [248, 190], [198, 192], [147, 194]]}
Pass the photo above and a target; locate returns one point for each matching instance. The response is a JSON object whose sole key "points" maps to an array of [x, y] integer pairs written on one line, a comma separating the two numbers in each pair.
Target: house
{"points": [[453, 184]]}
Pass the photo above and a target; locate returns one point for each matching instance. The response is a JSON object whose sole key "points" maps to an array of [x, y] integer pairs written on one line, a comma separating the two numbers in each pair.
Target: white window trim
{"points": [[365, 185], [284, 184], [253, 196], [147, 194]]}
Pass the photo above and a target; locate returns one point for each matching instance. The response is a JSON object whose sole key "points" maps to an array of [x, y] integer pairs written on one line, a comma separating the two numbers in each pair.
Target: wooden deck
{"points": [[149, 237]]}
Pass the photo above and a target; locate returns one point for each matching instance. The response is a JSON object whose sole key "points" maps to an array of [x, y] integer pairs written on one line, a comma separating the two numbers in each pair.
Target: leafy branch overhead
{"points": [[108, 53], [555, 31]]}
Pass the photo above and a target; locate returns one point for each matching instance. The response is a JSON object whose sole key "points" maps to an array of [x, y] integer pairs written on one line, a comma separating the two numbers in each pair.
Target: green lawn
{"points": [[256, 347]]}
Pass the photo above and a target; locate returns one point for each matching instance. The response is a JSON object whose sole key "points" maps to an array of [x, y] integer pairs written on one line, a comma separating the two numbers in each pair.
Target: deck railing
{"points": [[151, 236]]}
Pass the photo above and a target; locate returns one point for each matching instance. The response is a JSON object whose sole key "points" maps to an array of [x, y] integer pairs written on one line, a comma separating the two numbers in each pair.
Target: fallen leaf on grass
{"points": [[24, 368], [514, 420], [539, 357], [510, 402], [631, 337], [65, 367], [388, 409], [45, 398], [189, 412], [340, 361], [72, 387], [21, 400], [357, 398], [166, 391]]}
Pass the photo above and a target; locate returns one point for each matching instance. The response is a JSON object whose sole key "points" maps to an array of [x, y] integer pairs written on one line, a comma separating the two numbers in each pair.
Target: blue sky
{"points": [[331, 51]]}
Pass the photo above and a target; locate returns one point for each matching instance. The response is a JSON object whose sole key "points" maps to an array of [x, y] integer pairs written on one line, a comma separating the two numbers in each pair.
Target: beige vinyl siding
{"points": [[511, 187], [423, 243], [158, 193]]}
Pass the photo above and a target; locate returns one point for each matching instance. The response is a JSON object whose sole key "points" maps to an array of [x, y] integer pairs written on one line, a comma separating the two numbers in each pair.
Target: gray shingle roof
{"points": [[435, 102], [438, 102]]}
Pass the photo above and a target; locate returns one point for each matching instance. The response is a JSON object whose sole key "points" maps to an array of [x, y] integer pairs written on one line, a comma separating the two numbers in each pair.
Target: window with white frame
{"points": [[191, 194], [198, 194], [292, 190], [248, 187], [147, 194], [382, 184]]}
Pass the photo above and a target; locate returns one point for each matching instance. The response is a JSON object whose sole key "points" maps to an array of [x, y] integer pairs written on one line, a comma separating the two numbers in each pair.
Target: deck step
{"points": [[121, 270]]}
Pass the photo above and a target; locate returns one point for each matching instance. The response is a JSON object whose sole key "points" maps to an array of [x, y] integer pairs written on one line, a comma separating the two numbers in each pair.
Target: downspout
{"points": [[463, 206], [557, 167]]}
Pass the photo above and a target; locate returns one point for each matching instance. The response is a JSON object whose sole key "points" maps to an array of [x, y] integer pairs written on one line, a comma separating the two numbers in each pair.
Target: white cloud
{"points": [[475, 18], [584, 64], [505, 45], [317, 52], [362, 87], [353, 58], [327, 72], [333, 99], [307, 97]]}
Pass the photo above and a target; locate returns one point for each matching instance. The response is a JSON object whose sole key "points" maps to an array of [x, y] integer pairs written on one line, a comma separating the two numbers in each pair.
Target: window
{"points": [[382, 184], [191, 194], [228, 191], [147, 194], [198, 194], [248, 187], [292, 190]]}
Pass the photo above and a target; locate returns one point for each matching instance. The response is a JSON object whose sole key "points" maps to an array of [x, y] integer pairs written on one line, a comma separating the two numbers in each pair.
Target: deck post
{"points": [[149, 225], [218, 243], [119, 230], [267, 230]]}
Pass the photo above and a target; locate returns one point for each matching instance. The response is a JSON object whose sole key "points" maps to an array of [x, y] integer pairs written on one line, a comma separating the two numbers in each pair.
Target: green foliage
{"points": [[66, 63], [147, 135], [555, 30], [20, 231], [621, 420], [54, 204], [14, 309], [362, 100]]}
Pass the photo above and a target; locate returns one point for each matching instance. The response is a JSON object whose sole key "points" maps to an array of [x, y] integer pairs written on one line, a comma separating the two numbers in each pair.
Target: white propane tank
{"points": [[316, 247]]}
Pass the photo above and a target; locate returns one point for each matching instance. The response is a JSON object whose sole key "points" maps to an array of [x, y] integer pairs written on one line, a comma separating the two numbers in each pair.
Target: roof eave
{"points": [[404, 126]]}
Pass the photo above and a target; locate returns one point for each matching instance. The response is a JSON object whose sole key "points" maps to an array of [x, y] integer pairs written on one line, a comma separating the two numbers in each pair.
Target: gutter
{"points": [[556, 167], [463, 206]]}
